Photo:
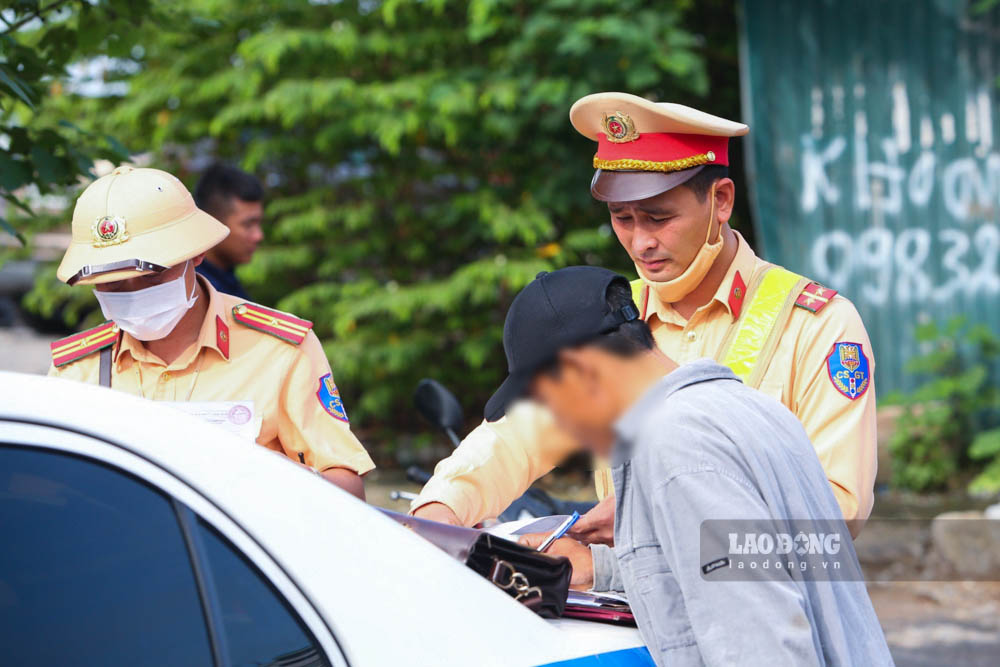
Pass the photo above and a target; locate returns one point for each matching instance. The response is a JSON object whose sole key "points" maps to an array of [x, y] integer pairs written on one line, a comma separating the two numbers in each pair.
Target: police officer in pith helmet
{"points": [[170, 336], [661, 170]]}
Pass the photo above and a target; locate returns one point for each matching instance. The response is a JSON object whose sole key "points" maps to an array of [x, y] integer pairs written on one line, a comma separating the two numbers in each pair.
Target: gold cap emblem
{"points": [[109, 230], [619, 127]]}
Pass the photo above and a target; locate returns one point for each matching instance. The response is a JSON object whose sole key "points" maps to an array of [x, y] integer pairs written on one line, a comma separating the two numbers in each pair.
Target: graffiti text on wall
{"points": [[960, 257]]}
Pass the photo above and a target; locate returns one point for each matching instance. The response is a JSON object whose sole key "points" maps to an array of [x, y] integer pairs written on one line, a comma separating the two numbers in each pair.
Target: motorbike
{"points": [[439, 406]]}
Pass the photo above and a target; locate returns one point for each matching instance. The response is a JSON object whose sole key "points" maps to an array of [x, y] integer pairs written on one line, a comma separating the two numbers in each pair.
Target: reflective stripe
{"points": [[759, 318], [639, 296], [752, 344], [636, 291], [630, 657]]}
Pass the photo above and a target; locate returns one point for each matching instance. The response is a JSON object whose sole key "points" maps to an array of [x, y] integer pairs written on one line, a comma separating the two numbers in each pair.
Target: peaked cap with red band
{"points": [[645, 148]]}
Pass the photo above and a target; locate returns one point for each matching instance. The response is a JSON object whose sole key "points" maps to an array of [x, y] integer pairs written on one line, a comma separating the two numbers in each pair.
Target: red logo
{"points": [[109, 230]]}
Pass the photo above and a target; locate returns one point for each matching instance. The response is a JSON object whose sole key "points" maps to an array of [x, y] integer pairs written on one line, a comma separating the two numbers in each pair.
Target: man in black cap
{"points": [[690, 446]]}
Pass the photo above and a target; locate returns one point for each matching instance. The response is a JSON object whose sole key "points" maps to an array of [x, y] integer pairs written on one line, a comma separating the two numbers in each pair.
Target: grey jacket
{"points": [[700, 446]]}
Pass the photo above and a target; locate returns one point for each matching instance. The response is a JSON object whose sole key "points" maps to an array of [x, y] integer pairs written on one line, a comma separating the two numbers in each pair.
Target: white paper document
{"points": [[235, 416], [514, 529]]}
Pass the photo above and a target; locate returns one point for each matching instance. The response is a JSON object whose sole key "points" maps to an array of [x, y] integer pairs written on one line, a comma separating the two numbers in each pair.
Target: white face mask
{"points": [[150, 313]]}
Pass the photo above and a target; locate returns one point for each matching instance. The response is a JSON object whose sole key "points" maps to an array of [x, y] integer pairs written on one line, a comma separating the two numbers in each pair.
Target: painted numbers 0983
{"points": [[908, 266]]}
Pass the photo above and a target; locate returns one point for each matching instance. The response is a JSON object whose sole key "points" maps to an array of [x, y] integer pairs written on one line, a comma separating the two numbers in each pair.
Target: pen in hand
{"points": [[559, 532]]}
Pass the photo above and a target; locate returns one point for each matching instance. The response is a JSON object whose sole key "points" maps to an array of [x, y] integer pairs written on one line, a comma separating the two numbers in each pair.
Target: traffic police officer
{"points": [[704, 293], [137, 236]]}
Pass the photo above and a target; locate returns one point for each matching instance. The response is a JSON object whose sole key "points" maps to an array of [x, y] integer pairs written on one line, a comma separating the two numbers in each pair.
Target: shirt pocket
{"points": [[658, 602]]}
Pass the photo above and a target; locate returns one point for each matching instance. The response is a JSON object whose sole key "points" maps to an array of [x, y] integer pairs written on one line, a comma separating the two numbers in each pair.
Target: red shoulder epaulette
{"points": [[77, 346], [284, 326], [814, 297]]}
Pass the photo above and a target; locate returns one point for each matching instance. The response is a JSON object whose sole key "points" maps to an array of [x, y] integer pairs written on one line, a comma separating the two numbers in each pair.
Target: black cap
{"points": [[555, 311]]}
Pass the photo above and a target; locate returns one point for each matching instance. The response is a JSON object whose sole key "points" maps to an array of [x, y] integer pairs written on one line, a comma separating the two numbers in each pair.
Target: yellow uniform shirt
{"points": [[291, 385], [497, 462]]}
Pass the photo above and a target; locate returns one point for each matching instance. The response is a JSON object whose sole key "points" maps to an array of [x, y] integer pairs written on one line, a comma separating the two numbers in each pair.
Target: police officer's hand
{"points": [[438, 512], [578, 554], [598, 525]]}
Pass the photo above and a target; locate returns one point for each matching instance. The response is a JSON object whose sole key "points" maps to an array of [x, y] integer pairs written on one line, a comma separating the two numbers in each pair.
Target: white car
{"points": [[133, 534]]}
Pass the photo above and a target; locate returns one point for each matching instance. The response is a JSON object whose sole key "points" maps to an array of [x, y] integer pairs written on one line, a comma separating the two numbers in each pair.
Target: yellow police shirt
{"points": [[498, 461], [291, 385]]}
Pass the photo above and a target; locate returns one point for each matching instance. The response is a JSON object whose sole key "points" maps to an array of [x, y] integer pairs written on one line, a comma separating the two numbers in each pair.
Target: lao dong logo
{"points": [[802, 543]]}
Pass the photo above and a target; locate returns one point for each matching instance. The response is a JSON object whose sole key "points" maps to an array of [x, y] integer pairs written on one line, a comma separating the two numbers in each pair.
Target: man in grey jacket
{"points": [[728, 539]]}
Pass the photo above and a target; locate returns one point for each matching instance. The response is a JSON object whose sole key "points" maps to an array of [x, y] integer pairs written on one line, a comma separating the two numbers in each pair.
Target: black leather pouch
{"points": [[538, 581]]}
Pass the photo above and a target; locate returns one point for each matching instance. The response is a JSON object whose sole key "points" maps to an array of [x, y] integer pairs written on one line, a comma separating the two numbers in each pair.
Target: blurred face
{"points": [[662, 234], [579, 399], [151, 279], [245, 233]]}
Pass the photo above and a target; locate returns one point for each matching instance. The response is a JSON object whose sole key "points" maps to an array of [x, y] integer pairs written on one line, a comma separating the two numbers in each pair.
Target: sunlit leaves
{"points": [[38, 41], [419, 157]]}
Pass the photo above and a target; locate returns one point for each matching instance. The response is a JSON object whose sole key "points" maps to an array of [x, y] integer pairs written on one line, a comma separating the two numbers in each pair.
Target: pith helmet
{"points": [[133, 222], [645, 148]]}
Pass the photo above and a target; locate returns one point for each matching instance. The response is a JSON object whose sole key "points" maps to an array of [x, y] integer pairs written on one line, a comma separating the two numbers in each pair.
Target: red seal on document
{"points": [[239, 415]]}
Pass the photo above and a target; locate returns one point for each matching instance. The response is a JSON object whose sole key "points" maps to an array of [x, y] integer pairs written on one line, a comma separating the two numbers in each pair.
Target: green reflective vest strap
{"points": [[639, 296], [750, 346], [762, 322]]}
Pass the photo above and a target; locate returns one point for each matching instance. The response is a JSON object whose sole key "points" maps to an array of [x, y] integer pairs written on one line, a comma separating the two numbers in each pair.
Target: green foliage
{"points": [[941, 429], [420, 162], [986, 447], [38, 40]]}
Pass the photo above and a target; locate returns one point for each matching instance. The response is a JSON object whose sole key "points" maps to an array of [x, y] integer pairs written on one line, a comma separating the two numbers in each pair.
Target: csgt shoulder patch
{"points": [[849, 369], [329, 398], [281, 325]]}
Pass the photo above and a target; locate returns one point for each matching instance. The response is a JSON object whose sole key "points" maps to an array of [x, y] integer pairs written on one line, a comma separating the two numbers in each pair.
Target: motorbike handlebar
{"points": [[417, 475]]}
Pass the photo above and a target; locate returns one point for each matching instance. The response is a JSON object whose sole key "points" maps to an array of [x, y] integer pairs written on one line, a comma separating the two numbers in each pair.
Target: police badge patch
{"points": [[619, 127], [329, 398], [849, 369]]}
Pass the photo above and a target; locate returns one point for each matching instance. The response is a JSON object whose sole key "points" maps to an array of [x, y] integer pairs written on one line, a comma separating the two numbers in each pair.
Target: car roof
{"points": [[390, 595]]}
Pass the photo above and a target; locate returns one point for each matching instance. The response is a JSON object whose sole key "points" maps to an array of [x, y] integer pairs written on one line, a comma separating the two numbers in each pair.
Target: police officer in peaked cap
{"points": [[662, 171]]}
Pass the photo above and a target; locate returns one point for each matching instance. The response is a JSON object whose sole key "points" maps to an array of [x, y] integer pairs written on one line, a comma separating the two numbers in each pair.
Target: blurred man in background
{"points": [[233, 197]]}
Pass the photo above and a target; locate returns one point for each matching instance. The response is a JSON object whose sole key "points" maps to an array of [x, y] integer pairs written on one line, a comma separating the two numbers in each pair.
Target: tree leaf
{"points": [[14, 173], [51, 170], [7, 227], [16, 86]]}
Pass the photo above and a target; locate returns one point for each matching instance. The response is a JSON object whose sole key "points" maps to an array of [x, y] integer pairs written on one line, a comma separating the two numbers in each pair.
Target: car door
{"points": [[107, 559]]}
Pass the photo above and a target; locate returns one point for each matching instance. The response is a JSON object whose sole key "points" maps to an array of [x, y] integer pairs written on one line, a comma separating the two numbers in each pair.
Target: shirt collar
{"points": [[731, 291], [214, 334], [629, 425]]}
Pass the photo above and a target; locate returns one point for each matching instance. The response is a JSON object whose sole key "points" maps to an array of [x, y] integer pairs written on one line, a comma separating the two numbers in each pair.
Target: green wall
{"points": [[873, 157]]}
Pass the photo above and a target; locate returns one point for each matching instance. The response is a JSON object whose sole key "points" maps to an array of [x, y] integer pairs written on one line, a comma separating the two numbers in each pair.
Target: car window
{"points": [[259, 627], [93, 568]]}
